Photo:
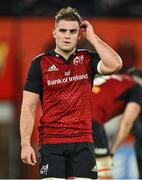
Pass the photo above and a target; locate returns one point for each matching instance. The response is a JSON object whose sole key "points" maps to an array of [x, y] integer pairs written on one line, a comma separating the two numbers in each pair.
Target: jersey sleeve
{"points": [[136, 94], [95, 58], [34, 79]]}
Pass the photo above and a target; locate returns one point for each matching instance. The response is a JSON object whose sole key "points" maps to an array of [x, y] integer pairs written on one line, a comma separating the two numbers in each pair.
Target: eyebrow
{"points": [[71, 30]]}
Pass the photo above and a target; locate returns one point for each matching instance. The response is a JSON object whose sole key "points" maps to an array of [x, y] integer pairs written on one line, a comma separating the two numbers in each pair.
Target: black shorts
{"points": [[100, 140], [67, 160]]}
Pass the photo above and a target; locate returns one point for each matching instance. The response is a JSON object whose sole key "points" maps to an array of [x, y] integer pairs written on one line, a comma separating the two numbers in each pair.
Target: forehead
{"points": [[64, 24]]}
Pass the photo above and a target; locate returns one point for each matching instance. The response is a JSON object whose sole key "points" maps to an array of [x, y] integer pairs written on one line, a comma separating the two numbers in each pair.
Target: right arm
{"points": [[132, 110], [130, 114], [32, 91], [27, 117], [110, 61]]}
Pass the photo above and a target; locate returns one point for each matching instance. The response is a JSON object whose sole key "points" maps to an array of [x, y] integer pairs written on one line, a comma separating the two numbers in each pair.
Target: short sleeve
{"points": [[95, 58], [34, 79], [136, 94]]}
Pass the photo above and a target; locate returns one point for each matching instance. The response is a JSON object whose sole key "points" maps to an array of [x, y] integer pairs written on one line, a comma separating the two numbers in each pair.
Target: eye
{"points": [[62, 30], [73, 31]]}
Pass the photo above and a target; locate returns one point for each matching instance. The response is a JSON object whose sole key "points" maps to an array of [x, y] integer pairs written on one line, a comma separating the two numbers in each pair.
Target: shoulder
{"points": [[39, 57], [87, 51]]}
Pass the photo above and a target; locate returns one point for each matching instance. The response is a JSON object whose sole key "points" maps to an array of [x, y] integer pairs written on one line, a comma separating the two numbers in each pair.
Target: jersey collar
{"points": [[60, 57]]}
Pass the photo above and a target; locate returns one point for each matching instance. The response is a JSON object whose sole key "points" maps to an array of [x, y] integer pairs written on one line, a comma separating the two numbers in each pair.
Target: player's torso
{"points": [[66, 98], [60, 73], [65, 80]]}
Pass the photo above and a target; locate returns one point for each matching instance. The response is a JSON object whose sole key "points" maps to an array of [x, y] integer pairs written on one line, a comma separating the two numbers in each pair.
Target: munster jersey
{"points": [[64, 87], [111, 94]]}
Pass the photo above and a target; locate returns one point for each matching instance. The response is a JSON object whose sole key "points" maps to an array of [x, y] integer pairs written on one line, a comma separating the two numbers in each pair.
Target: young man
{"points": [[62, 80], [114, 95]]}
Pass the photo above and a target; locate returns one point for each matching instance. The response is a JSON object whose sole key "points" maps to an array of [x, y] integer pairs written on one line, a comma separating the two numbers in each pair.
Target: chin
{"points": [[67, 49]]}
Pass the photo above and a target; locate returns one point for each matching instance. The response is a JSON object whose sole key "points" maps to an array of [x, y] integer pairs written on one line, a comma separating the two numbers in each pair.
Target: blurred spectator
{"points": [[137, 133], [114, 95]]}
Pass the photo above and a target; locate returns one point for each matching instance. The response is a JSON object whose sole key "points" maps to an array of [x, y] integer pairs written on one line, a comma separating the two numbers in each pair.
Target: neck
{"points": [[65, 54]]}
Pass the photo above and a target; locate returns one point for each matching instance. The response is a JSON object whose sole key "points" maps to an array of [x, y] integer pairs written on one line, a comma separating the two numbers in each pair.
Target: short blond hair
{"points": [[69, 14]]}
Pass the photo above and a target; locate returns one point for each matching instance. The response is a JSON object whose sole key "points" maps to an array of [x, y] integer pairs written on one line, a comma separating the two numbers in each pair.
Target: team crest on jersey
{"points": [[53, 68], [78, 60]]}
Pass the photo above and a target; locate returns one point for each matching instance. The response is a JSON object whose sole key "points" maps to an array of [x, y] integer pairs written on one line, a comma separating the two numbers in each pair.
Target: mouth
{"points": [[66, 42]]}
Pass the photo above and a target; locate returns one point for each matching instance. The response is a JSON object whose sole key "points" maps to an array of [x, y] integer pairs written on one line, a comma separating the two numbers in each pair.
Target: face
{"points": [[66, 34]]}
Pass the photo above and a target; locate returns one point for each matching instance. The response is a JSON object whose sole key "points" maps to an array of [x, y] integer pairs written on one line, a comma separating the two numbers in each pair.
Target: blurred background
{"points": [[26, 31]]}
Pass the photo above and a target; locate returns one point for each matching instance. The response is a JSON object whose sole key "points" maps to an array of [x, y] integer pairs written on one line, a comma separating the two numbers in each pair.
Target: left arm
{"points": [[131, 113], [110, 60]]}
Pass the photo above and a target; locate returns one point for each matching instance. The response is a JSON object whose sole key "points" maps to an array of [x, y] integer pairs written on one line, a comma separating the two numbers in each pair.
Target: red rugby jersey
{"points": [[111, 94], [65, 91]]}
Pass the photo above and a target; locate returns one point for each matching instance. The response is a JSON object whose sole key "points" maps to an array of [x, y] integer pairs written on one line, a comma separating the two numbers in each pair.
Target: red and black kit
{"points": [[112, 93], [64, 87], [110, 97]]}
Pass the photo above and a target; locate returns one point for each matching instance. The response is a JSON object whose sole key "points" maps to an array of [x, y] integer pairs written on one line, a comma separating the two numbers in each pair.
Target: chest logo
{"points": [[78, 60], [53, 68]]}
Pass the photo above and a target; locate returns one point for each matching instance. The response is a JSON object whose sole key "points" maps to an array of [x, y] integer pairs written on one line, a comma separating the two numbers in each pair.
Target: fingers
{"points": [[85, 24], [24, 161], [28, 156], [86, 30], [30, 160], [83, 29], [33, 157]]}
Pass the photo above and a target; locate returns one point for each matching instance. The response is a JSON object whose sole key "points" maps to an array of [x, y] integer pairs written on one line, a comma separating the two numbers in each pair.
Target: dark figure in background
{"points": [[137, 133], [114, 95]]}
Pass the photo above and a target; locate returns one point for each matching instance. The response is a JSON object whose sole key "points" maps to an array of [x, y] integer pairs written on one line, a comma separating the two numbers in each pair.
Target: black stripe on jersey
{"points": [[34, 78], [95, 58]]}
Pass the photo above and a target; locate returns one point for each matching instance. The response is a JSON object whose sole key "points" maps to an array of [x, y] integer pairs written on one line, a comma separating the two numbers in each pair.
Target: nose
{"points": [[67, 34]]}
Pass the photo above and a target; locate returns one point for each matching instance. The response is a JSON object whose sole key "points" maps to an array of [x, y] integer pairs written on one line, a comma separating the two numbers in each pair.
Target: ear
{"points": [[54, 33], [79, 36]]}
